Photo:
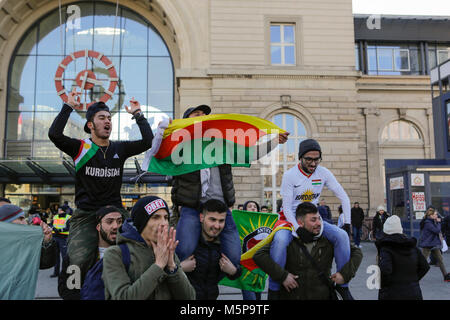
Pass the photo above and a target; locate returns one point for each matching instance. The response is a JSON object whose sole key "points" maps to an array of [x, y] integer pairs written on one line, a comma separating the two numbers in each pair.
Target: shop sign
{"points": [[417, 179], [418, 201], [396, 183]]}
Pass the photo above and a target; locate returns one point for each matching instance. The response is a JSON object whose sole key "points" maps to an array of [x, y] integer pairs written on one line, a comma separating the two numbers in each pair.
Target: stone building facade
{"points": [[292, 62]]}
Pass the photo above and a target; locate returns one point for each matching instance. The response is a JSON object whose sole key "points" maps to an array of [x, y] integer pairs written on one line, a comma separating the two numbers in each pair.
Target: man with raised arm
{"points": [[99, 166]]}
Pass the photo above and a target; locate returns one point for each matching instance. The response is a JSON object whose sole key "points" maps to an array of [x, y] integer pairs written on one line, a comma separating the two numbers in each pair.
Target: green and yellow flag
{"points": [[255, 230]]}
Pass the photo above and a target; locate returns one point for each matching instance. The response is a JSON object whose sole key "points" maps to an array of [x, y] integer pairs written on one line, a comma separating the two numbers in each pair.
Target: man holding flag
{"points": [[195, 183]]}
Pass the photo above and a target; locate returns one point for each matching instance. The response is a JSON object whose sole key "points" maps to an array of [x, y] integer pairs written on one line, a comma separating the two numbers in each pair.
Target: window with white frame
{"points": [[282, 44], [287, 156]]}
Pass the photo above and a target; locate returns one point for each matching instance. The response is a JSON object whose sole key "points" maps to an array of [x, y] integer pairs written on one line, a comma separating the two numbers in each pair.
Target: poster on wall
{"points": [[418, 201], [396, 183], [417, 179]]}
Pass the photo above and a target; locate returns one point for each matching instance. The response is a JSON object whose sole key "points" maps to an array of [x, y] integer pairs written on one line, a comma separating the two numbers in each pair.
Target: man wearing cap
{"points": [[99, 169], [109, 220], [193, 189], [154, 272], [304, 183]]}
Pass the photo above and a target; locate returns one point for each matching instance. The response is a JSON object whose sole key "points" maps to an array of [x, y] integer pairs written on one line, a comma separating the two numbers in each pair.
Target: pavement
{"points": [[433, 286]]}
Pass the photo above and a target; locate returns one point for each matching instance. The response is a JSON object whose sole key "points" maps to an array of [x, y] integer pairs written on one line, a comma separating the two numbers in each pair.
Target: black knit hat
{"points": [[103, 211], [144, 209], [308, 145], [92, 110]]}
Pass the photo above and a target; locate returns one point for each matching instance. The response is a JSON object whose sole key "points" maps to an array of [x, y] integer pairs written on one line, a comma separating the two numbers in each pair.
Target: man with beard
{"points": [[304, 183], [300, 278], [99, 169], [109, 220]]}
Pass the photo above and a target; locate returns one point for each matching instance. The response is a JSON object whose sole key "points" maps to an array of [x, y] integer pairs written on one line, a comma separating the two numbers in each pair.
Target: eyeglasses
{"points": [[310, 160]]}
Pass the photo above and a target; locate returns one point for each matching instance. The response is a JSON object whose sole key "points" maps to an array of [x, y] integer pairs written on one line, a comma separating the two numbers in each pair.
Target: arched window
{"points": [[287, 158], [137, 51], [400, 130]]}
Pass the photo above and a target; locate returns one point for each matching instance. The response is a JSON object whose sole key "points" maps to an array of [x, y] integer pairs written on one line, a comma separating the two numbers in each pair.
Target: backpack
{"points": [[93, 287]]}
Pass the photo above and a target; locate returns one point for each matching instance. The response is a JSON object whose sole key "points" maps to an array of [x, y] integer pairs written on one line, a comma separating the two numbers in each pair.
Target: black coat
{"points": [[402, 265], [357, 217], [378, 222], [207, 274], [187, 188]]}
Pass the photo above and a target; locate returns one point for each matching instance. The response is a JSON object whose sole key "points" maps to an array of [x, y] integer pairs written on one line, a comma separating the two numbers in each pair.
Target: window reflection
{"points": [[22, 81], [140, 57]]}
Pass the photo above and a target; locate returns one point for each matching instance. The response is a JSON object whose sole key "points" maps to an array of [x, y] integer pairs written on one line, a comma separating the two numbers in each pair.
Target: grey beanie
{"points": [[308, 145], [10, 212]]}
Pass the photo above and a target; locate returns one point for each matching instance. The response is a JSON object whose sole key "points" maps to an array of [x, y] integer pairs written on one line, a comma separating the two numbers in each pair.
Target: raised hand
{"points": [[283, 137], [161, 248], [134, 106], [73, 98], [172, 244], [47, 232]]}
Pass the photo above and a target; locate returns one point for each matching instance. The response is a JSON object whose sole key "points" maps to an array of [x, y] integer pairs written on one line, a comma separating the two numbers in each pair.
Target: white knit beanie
{"points": [[381, 207], [393, 225]]}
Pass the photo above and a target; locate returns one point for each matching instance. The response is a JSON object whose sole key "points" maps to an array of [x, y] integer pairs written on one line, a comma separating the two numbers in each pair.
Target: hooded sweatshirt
{"points": [[144, 279]]}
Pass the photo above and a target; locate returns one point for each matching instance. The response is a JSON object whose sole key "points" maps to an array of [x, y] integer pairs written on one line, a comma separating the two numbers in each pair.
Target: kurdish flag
{"points": [[256, 229], [193, 144], [87, 150]]}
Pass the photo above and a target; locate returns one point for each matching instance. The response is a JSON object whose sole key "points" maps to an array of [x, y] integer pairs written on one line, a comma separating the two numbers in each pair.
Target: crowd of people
{"points": [[144, 254]]}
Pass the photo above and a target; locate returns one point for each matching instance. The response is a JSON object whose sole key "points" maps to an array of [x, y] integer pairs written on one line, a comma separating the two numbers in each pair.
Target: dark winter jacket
{"points": [[310, 286], [402, 265], [207, 274], [187, 188], [144, 280], [357, 217], [429, 234], [378, 222]]}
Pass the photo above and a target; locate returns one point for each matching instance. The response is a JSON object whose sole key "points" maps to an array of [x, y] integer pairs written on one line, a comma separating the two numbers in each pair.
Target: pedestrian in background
{"points": [[324, 211], [60, 230], [430, 239], [357, 222], [378, 221], [401, 263]]}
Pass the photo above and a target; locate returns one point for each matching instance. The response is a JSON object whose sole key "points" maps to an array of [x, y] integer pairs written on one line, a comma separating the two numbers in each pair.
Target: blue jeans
{"points": [[250, 295], [356, 235], [337, 236], [189, 230]]}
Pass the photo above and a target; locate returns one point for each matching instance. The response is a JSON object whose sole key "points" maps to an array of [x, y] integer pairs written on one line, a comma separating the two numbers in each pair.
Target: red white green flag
{"points": [[193, 144]]}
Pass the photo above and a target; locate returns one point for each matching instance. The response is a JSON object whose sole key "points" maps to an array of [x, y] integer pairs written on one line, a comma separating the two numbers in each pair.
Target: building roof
{"points": [[401, 28]]}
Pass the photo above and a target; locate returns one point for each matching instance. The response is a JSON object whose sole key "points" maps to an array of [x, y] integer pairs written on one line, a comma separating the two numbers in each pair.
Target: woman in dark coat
{"points": [[430, 240], [401, 263], [378, 221]]}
